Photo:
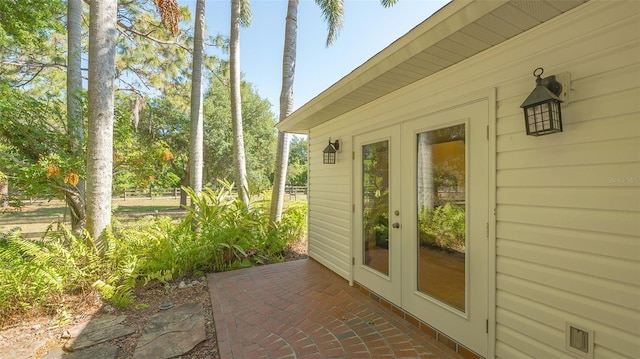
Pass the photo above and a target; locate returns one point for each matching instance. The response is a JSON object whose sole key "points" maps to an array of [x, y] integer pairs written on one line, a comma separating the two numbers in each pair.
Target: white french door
{"points": [[421, 217], [378, 247]]}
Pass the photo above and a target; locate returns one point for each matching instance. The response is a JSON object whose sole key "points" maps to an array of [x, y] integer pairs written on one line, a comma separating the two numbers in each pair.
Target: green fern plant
{"points": [[220, 232], [28, 276], [237, 234]]}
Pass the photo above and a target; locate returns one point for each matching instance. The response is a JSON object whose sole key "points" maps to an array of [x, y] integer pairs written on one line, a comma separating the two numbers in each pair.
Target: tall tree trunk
{"points": [[102, 37], [196, 161], [286, 107], [184, 182], [75, 198], [4, 191], [236, 103]]}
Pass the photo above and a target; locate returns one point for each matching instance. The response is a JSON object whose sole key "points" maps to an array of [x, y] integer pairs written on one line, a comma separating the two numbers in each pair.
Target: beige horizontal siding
{"points": [[592, 153], [623, 198], [605, 222], [330, 205], [568, 205], [603, 288], [615, 246], [588, 175]]}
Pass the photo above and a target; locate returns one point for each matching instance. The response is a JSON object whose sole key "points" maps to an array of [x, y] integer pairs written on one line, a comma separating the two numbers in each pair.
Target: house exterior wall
{"points": [[566, 238]]}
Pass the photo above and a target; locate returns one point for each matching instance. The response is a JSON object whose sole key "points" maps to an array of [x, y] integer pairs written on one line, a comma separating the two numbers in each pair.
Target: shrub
{"points": [[444, 227]]}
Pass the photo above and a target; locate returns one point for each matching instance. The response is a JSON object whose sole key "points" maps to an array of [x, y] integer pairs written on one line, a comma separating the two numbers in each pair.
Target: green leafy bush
{"points": [[444, 227]]}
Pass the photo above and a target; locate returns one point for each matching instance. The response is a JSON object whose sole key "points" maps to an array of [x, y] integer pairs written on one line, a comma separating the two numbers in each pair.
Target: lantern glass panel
{"points": [[543, 118], [329, 158]]}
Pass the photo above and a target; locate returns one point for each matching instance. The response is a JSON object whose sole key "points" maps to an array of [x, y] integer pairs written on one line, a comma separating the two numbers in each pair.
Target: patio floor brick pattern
{"points": [[301, 309]]}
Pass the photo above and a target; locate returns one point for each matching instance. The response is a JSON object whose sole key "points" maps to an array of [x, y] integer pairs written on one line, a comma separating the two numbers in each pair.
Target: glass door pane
{"points": [[375, 206], [441, 177]]}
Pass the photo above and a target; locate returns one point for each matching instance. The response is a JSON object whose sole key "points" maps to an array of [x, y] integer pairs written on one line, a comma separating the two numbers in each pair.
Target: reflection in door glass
{"points": [[375, 205], [441, 214]]}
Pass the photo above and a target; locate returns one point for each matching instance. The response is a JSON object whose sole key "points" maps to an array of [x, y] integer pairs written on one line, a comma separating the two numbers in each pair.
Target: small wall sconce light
{"points": [[542, 114], [329, 152]]}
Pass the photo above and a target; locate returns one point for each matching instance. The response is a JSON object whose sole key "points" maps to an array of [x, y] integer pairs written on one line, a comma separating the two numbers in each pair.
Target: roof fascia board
{"points": [[443, 23]]}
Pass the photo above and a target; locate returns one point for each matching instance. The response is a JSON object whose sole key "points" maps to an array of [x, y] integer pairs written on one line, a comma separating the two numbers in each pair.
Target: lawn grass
{"points": [[136, 206], [36, 217]]}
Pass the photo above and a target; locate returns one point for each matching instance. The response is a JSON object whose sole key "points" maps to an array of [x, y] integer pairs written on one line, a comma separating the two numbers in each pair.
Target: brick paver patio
{"points": [[301, 309]]}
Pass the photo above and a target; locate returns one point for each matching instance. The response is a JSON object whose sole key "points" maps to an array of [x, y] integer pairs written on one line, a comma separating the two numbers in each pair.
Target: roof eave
{"points": [[352, 91]]}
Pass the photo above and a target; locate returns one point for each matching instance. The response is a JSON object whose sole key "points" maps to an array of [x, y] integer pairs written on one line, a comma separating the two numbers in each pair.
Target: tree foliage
{"points": [[38, 58], [163, 127], [167, 128], [298, 161], [150, 146], [34, 145], [29, 22], [150, 60], [142, 160], [260, 135]]}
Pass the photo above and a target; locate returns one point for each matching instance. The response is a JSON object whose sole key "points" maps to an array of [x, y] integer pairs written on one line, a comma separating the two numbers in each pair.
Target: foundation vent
{"points": [[579, 341]]}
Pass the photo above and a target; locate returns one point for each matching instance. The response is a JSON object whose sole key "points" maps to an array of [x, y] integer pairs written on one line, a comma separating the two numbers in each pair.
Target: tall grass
{"points": [[219, 233]]}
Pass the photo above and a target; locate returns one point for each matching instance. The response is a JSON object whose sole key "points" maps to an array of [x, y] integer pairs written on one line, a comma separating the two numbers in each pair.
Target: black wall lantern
{"points": [[542, 114], [329, 152]]}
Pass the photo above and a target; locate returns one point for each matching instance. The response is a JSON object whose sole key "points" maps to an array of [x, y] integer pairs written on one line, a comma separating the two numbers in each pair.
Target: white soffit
{"points": [[459, 30]]}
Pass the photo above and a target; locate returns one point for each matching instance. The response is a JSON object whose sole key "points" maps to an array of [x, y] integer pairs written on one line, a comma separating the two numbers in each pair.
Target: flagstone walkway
{"points": [[301, 309], [170, 333]]}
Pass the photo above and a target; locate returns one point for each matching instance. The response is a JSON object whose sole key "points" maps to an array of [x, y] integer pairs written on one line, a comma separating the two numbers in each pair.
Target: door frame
{"points": [[490, 95]]}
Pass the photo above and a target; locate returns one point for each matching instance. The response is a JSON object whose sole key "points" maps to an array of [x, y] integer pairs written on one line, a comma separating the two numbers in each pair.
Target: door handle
{"points": [[396, 225]]}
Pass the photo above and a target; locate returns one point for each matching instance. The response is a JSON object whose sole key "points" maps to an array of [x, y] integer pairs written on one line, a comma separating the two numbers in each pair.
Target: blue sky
{"points": [[368, 28]]}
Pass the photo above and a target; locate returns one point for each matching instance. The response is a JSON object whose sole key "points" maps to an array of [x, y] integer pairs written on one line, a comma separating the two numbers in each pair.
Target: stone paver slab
{"points": [[173, 332], [102, 351], [98, 331], [21, 350]]}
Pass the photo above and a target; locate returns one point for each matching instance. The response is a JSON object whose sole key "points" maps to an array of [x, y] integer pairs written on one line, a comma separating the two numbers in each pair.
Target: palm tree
{"points": [[333, 13], [102, 40], [286, 107], [239, 14], [196, 156]]}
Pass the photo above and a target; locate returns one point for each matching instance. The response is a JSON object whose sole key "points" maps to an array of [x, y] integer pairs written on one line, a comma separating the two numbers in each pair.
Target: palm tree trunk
{"points": [[426, 191], [102, 37], [286, 107], [196, 156], [75, 124], [236, 103]]}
